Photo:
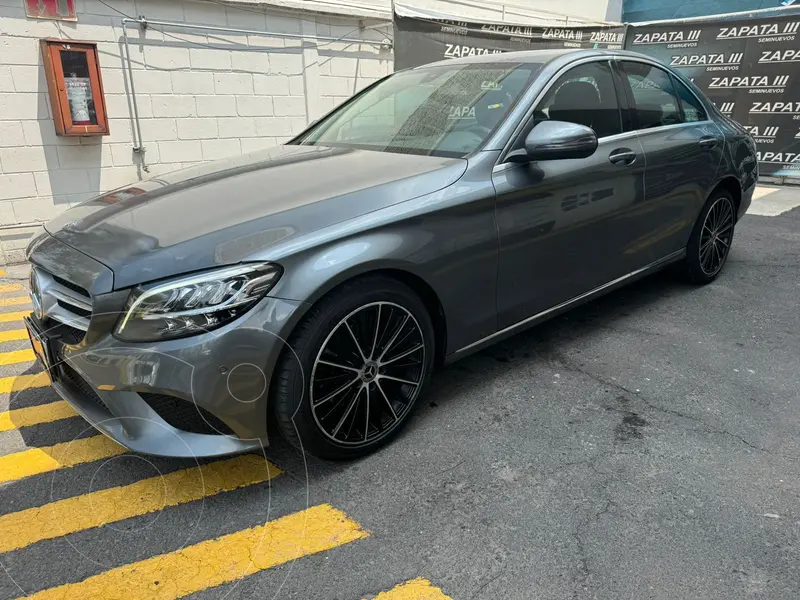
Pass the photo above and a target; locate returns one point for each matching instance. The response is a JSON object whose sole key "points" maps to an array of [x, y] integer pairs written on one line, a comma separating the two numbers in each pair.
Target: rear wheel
{"points": [[711, 239], [364, 354]]}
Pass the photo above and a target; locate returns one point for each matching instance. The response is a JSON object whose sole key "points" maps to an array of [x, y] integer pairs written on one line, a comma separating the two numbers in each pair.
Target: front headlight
{"points": [[195, 303]]}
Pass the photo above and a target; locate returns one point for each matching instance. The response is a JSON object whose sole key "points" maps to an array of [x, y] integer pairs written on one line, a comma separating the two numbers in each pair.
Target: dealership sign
{"points": [[749, 68], [421, 37]]}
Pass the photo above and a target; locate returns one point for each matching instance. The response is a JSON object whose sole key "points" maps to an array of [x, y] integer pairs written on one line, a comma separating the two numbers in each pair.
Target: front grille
{"points": [[185, 416], [56, 299], [73, 378], [71, 286], [81, 312]]}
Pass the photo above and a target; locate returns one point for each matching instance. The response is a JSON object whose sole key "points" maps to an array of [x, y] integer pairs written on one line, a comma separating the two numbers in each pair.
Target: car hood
{"points": [[233, 210]]}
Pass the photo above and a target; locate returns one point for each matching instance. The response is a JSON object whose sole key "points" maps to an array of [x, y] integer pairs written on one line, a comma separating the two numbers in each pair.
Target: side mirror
{"points": [[556, 140]]}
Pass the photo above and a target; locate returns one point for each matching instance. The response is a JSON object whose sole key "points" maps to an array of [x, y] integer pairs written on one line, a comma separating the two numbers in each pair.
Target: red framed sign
{"points": [[60, 10], [75, 87]]}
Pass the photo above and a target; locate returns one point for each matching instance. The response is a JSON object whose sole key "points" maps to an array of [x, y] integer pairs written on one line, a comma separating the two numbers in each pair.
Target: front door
{"points": [[564, 224]]}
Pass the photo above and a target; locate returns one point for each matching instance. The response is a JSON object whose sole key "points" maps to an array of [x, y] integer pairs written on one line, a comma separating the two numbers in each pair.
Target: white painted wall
{"points": [[201, 96]]}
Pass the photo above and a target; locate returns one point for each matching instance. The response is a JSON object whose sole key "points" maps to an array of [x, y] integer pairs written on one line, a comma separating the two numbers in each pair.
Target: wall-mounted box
{"points": [[75, 87]]}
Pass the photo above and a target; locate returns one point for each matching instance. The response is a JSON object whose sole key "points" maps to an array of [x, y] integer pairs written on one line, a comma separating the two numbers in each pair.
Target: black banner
{"points": [[749, 68], [422, 37]]}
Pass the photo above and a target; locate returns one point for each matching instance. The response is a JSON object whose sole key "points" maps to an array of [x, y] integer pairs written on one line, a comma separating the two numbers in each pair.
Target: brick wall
{"points": [[201, 96]]}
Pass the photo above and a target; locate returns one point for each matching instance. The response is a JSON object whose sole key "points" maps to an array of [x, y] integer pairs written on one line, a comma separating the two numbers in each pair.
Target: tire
{"points": [[315, 407], [711, 239]]}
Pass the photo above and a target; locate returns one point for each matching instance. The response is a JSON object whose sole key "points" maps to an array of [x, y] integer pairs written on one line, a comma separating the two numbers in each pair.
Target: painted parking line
{"points": [[13, 316], [13, 335], [35, 415], [222, 560], [6, 288], [24, 382], [2, 272], [416, 589], [15, 300], [96, 509], [36, 461], [17, 356]]}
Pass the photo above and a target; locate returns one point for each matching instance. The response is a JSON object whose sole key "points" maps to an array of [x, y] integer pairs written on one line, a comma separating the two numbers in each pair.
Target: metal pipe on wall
{"points": [[143, 23]]}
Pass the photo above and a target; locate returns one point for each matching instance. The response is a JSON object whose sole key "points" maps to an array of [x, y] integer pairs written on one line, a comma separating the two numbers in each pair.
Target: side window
{"points": [[653, 94], [583, 95], [692, 109]]}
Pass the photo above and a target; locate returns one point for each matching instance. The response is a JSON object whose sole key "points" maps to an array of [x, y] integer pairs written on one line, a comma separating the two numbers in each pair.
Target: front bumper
{"points": [[200, 396]]}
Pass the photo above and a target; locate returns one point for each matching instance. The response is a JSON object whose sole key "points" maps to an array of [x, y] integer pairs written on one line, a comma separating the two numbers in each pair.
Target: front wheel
{"points": [[711, 240], [364, 354]]}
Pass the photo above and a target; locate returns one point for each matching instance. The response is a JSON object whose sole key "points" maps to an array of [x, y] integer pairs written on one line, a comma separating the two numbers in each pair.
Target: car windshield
{"points": [[447, 110]]}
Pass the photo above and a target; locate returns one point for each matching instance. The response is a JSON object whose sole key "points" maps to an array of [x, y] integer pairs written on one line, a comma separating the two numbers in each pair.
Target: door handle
{"points": [[707, 142], [622, 156]]}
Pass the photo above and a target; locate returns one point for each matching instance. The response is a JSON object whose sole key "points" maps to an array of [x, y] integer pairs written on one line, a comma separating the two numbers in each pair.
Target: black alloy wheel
{"points": [[711, 240], [367, 373], [361, 359], [716, 236]]}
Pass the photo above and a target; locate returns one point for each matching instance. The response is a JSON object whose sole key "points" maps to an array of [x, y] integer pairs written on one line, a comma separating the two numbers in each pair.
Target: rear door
{"points": [[683, 150], [564, 224]]}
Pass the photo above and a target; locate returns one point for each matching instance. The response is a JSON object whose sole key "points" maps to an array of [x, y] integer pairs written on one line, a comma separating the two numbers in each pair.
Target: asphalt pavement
{"points": [[643, 446]]}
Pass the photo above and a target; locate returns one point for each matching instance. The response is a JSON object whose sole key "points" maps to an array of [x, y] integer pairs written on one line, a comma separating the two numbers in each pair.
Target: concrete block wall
{"points": [[201, 95]]}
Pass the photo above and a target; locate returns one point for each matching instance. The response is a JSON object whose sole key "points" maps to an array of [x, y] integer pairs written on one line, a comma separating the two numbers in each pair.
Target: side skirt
{"points": [[565, 306]]}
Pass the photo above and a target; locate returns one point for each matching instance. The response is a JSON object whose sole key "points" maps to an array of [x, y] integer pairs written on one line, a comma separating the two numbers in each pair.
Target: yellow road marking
{"points": [[10, 287], [14, 300], [35, 415], [214, 562], [35, 461], [96, 509], [13, 316], [17, 356], [14, 335], [416, 589], [2, 272], [23, 382]]}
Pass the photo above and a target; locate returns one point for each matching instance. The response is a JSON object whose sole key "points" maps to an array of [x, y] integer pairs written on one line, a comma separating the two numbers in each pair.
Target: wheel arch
{"points": [[405, 275], [732, 186]]}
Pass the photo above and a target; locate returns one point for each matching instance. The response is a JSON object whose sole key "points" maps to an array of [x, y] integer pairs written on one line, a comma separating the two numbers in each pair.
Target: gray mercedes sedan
{"points": [[312, 288]]}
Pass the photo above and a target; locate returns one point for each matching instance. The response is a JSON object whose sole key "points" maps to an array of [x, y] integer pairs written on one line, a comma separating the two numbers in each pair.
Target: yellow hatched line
{"points": [[13, 335], [35, 461], [15, 300], [96, 509], [214, 562], [23, 382], [416, 589], [5, 288], [35, 415], [17, 356], [13, 316]]}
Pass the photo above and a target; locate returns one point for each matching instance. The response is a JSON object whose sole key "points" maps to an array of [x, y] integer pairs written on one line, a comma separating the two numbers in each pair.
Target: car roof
{"points": [[536, 56]]}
